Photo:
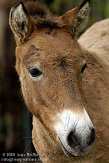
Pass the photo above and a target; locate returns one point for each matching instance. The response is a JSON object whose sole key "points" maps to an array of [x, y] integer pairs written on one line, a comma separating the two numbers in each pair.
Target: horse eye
{"points": [[35, 72], [83, 68]]}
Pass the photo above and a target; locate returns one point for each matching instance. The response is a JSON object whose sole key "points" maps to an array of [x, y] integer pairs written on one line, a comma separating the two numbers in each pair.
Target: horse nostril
{"points": [[72, 140], [91, 137]]}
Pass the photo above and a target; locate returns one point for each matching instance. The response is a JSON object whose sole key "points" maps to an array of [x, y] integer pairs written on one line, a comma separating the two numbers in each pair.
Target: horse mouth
{"points": [[66, 152], [76, 152]]}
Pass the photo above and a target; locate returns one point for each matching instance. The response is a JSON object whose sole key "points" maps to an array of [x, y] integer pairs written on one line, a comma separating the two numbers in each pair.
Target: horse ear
{"points": [[19, 22], [77, 18]]}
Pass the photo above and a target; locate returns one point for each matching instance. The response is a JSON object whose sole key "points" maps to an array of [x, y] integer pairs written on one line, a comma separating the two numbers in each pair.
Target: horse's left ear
{"points": [[19, 21], [77, 18]]}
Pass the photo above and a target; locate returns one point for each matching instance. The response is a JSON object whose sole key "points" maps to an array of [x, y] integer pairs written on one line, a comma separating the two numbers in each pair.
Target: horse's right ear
{"points": [[19, 22], [77, 18]]}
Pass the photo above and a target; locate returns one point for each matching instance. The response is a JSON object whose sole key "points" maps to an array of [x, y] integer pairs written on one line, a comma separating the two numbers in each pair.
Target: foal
{"points": [[62, 84]]}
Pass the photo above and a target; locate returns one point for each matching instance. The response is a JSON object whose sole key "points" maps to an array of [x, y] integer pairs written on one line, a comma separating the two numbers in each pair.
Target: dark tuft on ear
{"points": [[84, 2]]}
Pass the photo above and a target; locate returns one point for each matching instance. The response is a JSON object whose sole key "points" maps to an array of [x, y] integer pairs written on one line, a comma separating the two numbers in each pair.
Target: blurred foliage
{"points": [[99, 8]]}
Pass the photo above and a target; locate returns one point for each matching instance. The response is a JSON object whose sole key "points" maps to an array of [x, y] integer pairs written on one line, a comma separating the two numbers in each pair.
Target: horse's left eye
{"points": [[83, 68], [35, 72]]}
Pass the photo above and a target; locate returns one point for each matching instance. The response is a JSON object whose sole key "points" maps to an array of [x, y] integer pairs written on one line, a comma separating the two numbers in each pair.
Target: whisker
{"points": [[66, 124], [76, 122], [82, 129], [21, 139], [43, 137], [27, 146]]}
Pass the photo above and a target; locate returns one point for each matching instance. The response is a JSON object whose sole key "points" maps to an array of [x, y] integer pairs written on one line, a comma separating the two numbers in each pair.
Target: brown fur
{"points": [[61, 59]]}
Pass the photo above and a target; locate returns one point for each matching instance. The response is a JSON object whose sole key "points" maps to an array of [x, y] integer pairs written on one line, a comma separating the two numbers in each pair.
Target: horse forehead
{"points": [[60, 41], [45, 45]]}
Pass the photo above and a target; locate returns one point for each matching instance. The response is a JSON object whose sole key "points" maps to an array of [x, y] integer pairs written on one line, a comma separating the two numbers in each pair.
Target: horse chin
{"points": [[76, 152]]}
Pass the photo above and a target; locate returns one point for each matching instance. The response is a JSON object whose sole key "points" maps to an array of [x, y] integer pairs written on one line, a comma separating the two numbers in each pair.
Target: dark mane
{"points": [[40, 14], [37, 9]]}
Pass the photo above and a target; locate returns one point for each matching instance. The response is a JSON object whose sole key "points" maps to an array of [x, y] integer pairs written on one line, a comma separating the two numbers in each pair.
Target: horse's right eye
{"points": [[35, 72], [83, 68]]}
